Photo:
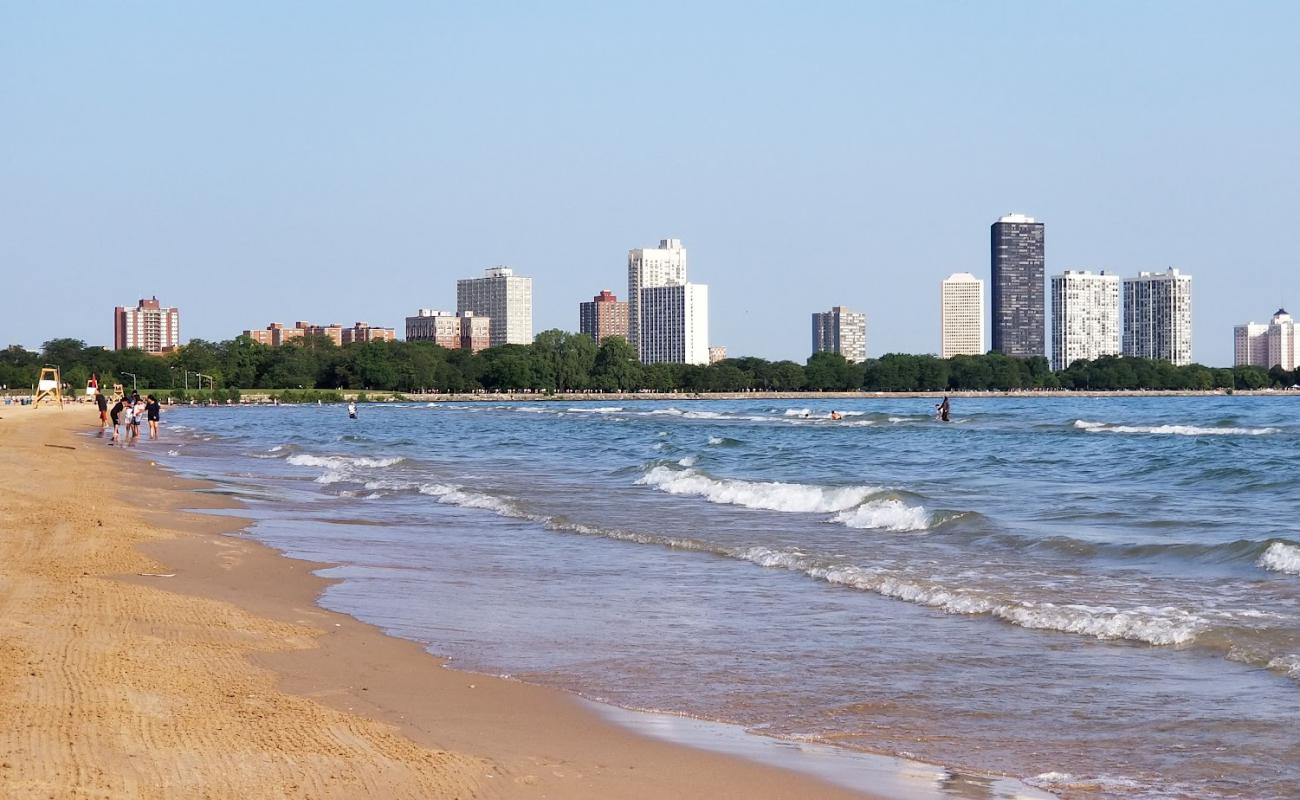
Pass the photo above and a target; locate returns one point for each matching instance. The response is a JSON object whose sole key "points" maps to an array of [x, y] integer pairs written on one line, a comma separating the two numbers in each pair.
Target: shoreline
{"points": [[414, 728]]}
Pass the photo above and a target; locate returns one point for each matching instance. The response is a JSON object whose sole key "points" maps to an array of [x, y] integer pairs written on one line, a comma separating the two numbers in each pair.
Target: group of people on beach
{"points": [[126, 415]]}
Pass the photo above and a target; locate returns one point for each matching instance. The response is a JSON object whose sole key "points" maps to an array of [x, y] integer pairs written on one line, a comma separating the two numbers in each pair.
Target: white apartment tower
{"points": [[1085, 317], [1158, 316], [840, 331], [675, 324], [647, 268], [150, 326], [503, 297], [1267, 346], [961, 314]]}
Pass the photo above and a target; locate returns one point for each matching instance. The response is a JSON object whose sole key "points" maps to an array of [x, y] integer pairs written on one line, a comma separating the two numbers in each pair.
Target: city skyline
{"points": [[349, 204]]}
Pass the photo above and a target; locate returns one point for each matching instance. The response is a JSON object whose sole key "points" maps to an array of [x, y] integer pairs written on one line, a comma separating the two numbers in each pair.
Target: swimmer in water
{"points": [[352, 410], [943, 410], [836, 415]]}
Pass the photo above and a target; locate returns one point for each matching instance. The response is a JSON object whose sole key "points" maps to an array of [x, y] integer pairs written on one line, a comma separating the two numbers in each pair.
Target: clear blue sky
{"points": [[252, 162]]}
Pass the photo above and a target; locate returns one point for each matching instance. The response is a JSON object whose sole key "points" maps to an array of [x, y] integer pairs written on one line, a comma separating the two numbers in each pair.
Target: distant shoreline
{"points": [[574, 397]]}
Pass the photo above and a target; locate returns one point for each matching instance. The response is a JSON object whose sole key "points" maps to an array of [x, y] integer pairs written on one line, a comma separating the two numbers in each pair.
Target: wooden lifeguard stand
{"points": [[49, 387]]}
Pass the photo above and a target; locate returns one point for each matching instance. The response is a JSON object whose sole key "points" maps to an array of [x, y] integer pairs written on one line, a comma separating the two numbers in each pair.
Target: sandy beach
{"points": [[144, 653]]}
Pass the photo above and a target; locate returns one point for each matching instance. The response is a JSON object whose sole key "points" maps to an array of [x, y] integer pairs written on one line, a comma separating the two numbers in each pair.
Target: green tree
{"points": [[615, 366]]}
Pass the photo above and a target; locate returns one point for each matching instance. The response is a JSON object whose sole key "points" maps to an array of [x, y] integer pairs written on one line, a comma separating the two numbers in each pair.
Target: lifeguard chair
{"points": [[49, 387]]}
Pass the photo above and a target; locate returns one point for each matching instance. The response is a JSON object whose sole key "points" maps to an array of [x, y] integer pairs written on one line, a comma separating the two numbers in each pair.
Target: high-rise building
{"points": [[1019, 304], [675, 324], [503, 297], [647, 268], [1085, 317], [961, 315], [603, 317], [149, 326], [717, 353], [1268, 346], [840, 331], [1158, 316], [466, 331]]}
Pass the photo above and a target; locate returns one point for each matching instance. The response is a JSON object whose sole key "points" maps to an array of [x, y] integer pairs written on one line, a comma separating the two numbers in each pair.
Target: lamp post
{"points": [[131, 375]]}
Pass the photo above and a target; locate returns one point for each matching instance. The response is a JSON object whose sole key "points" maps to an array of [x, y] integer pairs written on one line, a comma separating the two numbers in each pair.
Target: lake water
{"points": [[1100, 596]]}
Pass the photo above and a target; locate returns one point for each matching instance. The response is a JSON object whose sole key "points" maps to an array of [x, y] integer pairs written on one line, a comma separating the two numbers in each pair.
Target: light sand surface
{"points": [[143, 654]]}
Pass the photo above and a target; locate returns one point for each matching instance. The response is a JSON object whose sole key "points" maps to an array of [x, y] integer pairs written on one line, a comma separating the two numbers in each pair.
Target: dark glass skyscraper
{"points": [[1019, 303]]}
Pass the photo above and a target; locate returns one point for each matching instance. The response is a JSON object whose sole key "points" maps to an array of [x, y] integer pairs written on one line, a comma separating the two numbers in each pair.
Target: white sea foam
{"points": [[1288, 664], [798, 412], [276, 449], [716, 440], [338, 468], [769, 495], [599, 409], [308, 460], [1170, 430], [1281, 557], [890, 515], [1109, 784], [670, 411], [703, 415], [458, 496], [1159, 626], [688, 461]]}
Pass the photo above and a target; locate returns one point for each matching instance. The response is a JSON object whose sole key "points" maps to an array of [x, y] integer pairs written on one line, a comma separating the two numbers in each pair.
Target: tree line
{"points": [[558, 361]]}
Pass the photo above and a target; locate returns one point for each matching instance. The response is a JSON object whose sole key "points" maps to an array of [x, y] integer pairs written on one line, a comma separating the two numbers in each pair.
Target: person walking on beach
{"points": [[352, 409], [153, 411], [943, 409], [102, 403]]}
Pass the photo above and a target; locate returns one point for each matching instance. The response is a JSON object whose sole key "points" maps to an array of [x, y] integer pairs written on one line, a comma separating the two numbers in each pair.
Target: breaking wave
{"points": [[459, 496], [767, 495], [339, 468], [1281, 557], [1170, 430], [1158, 626], [890, 515]]}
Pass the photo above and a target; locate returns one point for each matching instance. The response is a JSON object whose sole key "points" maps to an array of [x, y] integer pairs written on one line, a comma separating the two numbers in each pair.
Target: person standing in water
{"points": [[115, 414], [943, 410], [153, 411], [352, 409], [101, 401]]}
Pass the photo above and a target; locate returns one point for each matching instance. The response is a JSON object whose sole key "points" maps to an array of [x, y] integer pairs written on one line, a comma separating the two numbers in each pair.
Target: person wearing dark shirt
{"points": [[115, 415], [102, 402], [153, 411]]}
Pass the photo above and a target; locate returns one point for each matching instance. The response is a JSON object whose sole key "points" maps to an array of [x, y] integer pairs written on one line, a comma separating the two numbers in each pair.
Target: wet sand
{"points": [[144, 653]]}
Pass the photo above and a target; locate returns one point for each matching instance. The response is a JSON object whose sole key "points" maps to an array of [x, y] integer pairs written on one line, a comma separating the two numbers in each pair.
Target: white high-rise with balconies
{"points": [[1158, 316], [1267, 346], [675, 324], [503, 297], [961, 316], [840, 331], [647, 268], [1085, 317]]}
